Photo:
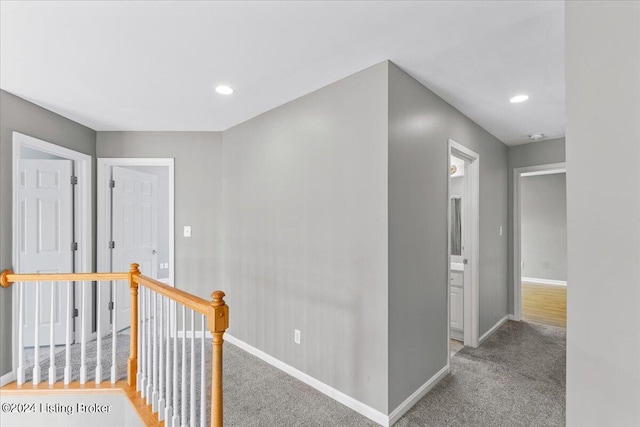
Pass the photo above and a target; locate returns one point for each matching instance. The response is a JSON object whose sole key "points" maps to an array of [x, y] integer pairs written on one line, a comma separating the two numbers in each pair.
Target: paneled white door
{"points": [[134, 230], [45, 239]]}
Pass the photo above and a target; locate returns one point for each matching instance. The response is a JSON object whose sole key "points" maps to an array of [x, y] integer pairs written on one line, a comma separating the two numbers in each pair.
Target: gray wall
{"points": [[420, 124], [520, 156], [19, 115], [543, 201], [603, 187], [305, 236], [197, 168]]}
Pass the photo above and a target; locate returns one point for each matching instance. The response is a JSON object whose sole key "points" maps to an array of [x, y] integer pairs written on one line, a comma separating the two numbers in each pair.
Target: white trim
{"points": [[495, 327], [471, 241], [535, 280], [348, 401], [551, 168], [544, 172], [82, 164], [104, 214], [7, 378], [417, 395], [513, 317]]}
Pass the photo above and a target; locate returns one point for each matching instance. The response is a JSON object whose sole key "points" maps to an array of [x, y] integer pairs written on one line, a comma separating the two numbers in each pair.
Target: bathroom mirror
{"points": [[456, 226]]}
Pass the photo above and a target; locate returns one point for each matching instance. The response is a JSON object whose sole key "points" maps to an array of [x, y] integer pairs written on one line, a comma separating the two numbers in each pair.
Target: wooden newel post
{"points": [[218, 322], [4, 281], [132, 365]]}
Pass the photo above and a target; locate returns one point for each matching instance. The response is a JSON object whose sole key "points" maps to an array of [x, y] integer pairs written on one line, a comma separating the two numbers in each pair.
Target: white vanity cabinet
{"points": [[457, 305]]}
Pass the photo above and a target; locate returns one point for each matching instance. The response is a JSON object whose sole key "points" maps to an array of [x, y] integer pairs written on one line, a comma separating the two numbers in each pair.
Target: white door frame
{"points": [[83, 232], [472, 243], [104, 213], [518, 173]]}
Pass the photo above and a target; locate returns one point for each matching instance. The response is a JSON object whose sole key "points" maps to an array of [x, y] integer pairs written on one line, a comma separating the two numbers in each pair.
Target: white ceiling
{"points": [[153, 65]]}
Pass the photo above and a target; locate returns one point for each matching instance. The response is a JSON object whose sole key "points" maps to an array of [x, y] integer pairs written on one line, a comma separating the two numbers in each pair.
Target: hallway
{"points": [[517, 378]]}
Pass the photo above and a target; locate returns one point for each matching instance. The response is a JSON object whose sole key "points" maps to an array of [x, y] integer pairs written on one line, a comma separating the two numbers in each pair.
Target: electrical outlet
{"points": [[296, 336], [501, 230], [187, 231]]}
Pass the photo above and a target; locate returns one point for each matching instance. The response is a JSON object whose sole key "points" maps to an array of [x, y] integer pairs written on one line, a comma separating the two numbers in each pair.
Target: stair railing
{"points": [[161, 316]]}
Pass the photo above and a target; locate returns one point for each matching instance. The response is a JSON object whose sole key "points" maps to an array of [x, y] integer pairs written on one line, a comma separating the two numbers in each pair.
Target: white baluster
{"points": [[149, 349], [83, 343], [167, 408], [203, 393], [183, 385], [20, 373], [114, 332], [161, 362], [154, 397], [67, 339], [99, 334], [52, 337], [192, 376], [36, 349], [174, 327], [140, 335], [143, 333]]}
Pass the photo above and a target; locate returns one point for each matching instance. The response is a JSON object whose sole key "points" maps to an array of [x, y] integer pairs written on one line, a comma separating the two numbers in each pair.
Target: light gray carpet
{"points": [[517, 378], [122, 354]]}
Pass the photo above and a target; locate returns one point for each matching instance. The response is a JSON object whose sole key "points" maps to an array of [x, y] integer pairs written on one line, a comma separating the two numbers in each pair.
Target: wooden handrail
{"points": [[8, 277], [190, 301]]}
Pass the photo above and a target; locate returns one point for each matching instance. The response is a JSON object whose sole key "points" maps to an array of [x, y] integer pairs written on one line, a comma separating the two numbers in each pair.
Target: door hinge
{"points": [[74, 313], [110, 305], [112, 244], [74, 180], [74, 246], [112, 183]]}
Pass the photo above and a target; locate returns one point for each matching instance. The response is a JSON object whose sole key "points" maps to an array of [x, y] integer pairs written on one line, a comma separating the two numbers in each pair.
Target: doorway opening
{"points": [[463, 197], [540, 244], [51, 208], [135, 223]]}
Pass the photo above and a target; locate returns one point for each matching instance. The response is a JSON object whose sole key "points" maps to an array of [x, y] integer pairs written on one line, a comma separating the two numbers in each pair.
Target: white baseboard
{"points": [[456, 335], [535, 280], [348, 401], [417, 395], [7, 378], [493, 329], [514, 318]]}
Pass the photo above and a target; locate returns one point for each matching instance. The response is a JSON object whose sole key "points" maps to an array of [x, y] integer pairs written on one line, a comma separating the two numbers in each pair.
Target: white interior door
{"points": [[134, 228], [46, 233]]}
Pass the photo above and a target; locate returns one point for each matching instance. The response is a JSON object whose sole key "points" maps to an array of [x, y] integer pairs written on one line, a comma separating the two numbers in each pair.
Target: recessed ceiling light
{"points": [[536, 136], [224, 90], [519, 98]]}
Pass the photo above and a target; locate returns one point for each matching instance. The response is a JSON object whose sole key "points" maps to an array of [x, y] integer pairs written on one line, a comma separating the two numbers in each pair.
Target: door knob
{"points": [[154, 252], [465, 262]]}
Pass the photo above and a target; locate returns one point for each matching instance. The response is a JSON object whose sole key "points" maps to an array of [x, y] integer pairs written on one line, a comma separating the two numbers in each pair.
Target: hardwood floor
{"points": [[544, 304]]}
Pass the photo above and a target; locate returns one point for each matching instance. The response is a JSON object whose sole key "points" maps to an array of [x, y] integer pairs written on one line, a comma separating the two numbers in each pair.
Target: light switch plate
{"points": [[187, 231]]}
